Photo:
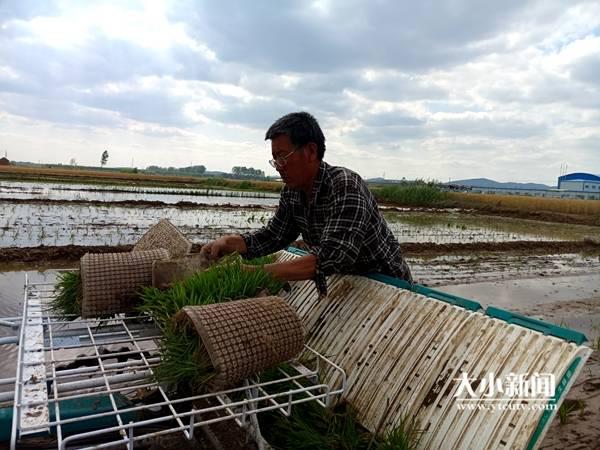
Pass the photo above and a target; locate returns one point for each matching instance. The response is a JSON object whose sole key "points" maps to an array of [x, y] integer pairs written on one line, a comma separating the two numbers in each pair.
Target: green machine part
{"points": [[76, 408]]}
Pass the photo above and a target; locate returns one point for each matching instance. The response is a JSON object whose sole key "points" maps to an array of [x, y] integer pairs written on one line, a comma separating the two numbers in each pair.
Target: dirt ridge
{"points": [[44, 254]]}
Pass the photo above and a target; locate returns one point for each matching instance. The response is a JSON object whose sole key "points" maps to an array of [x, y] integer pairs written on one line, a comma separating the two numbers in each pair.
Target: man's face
{"points": [[295, 171]]}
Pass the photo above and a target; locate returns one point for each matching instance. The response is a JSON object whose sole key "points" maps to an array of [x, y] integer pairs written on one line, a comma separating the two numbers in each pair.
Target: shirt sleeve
{"points": [[278, 233], [344, 232]]}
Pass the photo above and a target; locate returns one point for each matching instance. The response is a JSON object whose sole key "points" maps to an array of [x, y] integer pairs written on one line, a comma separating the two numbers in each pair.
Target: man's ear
{"points": [[311, 150]]}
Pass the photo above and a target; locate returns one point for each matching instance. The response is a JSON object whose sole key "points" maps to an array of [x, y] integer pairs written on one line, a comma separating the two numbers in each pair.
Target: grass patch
{"points": [[524, 203], [67, 302], [417, 194], [405, 436], [312, 427]]}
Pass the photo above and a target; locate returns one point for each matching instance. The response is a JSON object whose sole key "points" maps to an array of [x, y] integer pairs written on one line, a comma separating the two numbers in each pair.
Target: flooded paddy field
{"points": [[102, 193], [457, 227], [35, 223], [29, 225]]}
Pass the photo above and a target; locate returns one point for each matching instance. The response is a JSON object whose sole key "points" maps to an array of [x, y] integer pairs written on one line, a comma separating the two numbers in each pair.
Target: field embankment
{"points": [[584, 212], [72, 253], [109, 177]]}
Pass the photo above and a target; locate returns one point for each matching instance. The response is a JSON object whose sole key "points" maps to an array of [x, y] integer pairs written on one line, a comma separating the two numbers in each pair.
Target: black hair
{"points": [[302, 128]]}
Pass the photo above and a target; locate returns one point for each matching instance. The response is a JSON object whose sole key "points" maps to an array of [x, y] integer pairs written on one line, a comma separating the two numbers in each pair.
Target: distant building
{"points": [[4, 161], [582, 182]]}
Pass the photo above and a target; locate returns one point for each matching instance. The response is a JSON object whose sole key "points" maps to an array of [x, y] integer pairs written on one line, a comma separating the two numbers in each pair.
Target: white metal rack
{"points": [[99, 373]]}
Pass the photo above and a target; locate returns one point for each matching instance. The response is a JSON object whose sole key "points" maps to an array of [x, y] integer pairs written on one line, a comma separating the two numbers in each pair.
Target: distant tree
{"points": [[73, 162], [247, 171], [104, 158], [189, 170]]}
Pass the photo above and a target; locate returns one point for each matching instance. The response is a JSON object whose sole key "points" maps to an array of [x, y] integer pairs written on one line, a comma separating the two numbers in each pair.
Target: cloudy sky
{"points": [[438, 89]]}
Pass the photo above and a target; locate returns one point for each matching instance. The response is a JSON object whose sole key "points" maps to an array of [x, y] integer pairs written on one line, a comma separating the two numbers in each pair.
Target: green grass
{"points": [[405, 436], [67, 302], [312, 427], [418, 194], [569, 406]]}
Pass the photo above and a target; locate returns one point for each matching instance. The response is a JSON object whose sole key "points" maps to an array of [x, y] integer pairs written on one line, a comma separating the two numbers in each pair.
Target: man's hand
{"points": [[225, 245]]}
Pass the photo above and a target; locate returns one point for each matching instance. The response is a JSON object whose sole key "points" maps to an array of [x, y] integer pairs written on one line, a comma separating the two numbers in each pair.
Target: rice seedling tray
{"points": [[89, 383]]}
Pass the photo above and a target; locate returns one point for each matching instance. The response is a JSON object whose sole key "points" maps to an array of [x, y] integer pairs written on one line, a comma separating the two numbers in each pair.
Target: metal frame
{"points": [[45, 378]]}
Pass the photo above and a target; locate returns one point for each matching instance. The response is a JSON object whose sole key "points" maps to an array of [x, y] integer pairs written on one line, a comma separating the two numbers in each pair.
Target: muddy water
{"points": [[52, 191], [529, 292], [571, 301], [454, 227], [490, 267]]}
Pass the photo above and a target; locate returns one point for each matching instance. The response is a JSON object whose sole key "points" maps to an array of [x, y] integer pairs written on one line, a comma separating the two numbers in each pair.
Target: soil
{"points": [[129, 203], [13, 257]]}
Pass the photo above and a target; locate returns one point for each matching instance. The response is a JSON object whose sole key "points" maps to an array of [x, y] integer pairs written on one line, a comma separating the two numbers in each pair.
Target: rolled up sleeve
{"points": [[278, 233]]}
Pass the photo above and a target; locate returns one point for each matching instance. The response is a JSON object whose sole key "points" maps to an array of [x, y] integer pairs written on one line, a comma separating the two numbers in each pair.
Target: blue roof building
{"points": [[583, 182]]}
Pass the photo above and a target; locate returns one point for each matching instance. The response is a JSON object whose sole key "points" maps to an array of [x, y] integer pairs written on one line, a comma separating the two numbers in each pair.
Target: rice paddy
{"points": [[104, 193], [37, 224]]}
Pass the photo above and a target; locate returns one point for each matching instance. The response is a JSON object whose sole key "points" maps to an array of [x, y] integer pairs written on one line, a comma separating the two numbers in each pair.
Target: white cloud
{"points": [[505, 90]]}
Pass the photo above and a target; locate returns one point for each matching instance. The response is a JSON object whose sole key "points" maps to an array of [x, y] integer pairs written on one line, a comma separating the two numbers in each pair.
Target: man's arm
{"points": [[342, 239], [279, 232], [302, 268], [225, 245]]}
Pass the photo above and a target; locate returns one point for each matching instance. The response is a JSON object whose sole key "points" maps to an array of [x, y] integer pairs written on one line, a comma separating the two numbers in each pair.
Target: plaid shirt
{"points": [[342, 226]]}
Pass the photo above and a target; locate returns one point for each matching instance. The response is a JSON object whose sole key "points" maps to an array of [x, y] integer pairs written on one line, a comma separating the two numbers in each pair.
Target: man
{"points": [[331, 206]]}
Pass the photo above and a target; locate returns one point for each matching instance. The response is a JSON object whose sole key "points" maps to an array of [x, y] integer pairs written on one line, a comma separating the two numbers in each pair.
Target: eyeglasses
{"points": [[281, 161]]}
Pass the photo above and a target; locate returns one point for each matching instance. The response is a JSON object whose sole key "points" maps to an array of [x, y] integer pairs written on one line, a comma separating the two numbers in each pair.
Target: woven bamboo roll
{"points": [[244, 337], [110, 280], [164, 235]]}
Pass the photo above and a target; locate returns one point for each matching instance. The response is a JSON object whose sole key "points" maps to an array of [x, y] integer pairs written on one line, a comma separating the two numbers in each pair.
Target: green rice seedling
{"points": [[596, 341], [310, 427], [567, 408], [405, 436], [67, 302], [222, 282], [185, 364]]}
